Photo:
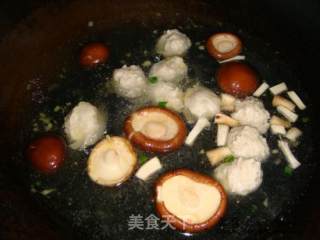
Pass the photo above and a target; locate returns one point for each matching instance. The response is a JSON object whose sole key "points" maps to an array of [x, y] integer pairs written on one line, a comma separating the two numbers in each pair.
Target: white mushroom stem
{"points": [[293, 134], [235, 58], [227, 102], [296, 99], [279, 88], [281, 101], [201, 124], [291, 116], [278, 130], [275, 120], [261, 89], [222, 134], [221, 118], [217, 155], [291, 159], [149, 168]]}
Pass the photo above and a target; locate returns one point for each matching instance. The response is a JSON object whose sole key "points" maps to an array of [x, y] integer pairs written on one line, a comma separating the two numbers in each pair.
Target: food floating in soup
{"points": [[191, 201], [112, 161], [94, 54], [155, 129]]}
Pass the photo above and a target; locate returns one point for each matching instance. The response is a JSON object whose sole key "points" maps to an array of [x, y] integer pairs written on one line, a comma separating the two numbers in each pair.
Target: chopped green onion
{"points": [[153, 79], [305, 119], [288, 171], [162, 104], [228, 159], [142, 159]]}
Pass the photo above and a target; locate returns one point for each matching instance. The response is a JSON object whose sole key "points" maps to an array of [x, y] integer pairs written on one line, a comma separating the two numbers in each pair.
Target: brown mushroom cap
{"points": [[159, 134], [180, 224], [224, 45]]}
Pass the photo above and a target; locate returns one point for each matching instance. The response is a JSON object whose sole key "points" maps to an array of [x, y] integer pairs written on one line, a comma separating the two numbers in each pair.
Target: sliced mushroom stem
{"points": [[291, 159], [217, 155], [293, 134], [221, 118], [222, 134], [201, 124], [235, 58], [291, 116], [278, 130], [275, 120], [296, 99], [227, 102], [279, 88], [149, 168], [281, 101], [261, 89]]}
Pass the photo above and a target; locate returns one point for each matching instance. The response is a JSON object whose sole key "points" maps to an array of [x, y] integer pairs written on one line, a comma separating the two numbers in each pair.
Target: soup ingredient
{"points": [[291, 159], [112, 161], [155, 129], [291, 116], [46, 154], [84, 125], [279, 88], [227, 102], [226, 120], [246, 142], [261, 89], [293, 134], [222, 134], [191, 201], [166, 92], [278, 130], [201, 102], [172, 70], [275, 120], [281, 101], [237, 79], [251, 112], [224, 45], [173, 43], [235, 58], [129, 81], [149, 168], [296, 99], [240, 177], [217, 155], [196, 130], [288, 170], [93, 54]]}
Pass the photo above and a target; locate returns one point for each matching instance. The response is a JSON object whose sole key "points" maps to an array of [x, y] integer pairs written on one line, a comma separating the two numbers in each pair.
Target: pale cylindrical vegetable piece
{"points": [[129, 81], [201, 102], [221, 118], [291, 116], [281, 101], [275, 120], [291, 159], [222, 134], [217, 155], [278, 130], [279, 88], [293, 134], [84, 125], [173, 43], [201, 124], [240, 177], [235, 58], [148, 169], [246, 142], [296, 99], [261, 89], [172, 70], [251, 111], [166, 92], [227, 102]]}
